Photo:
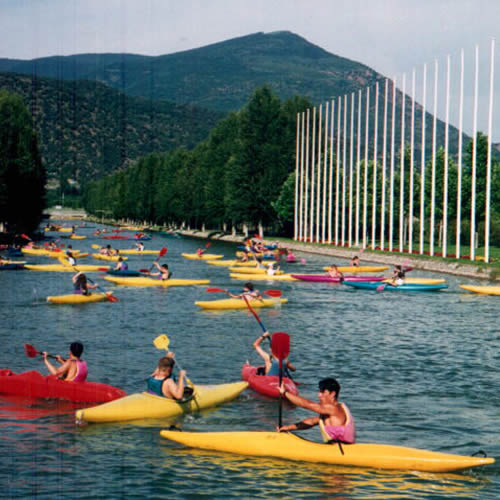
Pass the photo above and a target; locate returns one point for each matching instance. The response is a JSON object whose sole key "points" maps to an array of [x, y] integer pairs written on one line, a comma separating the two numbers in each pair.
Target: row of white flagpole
{"points": [[325, 189]]}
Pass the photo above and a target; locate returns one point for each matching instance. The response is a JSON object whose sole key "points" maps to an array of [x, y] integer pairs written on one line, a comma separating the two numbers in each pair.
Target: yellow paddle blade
{"points": [[95, 246], [161, 342]]}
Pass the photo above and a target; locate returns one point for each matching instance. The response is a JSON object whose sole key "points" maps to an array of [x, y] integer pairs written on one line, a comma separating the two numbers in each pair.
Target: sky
{"points": [[390, 36]]}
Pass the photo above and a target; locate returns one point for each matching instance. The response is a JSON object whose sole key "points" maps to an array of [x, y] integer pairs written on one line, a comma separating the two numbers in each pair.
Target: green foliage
{"points": [[284, 206], [22, 175]]}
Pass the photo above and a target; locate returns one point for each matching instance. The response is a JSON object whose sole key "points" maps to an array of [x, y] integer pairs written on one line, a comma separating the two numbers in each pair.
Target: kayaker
{"points": [[161, 382], [140, 246], [272, 365], [71, 258], [72, 369], [248, 291], [200, 251], [355, 262], [335, 420], [164, 273], [335, 273], [81, 285], [271, 270], [398, 276], [121, 265]]}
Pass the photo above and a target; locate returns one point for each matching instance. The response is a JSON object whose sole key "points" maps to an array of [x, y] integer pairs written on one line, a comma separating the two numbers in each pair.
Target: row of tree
{"points": [[235, 176], [22, 174]]}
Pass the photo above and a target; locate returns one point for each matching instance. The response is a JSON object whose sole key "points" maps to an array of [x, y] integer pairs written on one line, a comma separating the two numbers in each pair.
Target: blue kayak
{"points": [[370, 285], [127, 272]]}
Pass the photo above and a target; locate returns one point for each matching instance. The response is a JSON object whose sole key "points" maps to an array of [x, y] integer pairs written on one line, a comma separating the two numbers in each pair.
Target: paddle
{"points": [[280, 347], [163, 251], [162, 342], [31, 352]]}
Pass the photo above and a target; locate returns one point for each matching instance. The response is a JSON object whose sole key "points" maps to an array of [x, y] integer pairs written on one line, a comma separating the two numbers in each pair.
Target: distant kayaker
{"points": [[335, 420], [335, 273], [70, 258], [398, 276], [249, 292], [355, 262], [272, 365], [81, 285], [164, 273], [271, 270], [200, 251], [140, 246], [121, 265], [161, 382], [72, 369]]}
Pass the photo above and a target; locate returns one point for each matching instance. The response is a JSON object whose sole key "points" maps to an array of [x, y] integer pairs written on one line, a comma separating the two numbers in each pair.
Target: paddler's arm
{"points": [[291, 367], [263, 354], [176, 390], [307, 423], [305, 403], [56, 371]]}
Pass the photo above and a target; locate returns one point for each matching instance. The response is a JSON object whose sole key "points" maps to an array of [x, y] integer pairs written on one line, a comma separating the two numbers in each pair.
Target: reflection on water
{"points": [[416, 370]]}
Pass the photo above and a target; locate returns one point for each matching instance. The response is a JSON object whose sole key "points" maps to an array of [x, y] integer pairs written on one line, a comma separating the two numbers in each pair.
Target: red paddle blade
{"points": [[215, 290], [112, 298], [30, 351], [381, 288], [208, 244], [26, 237], [280, 345], [273, 293], [163, 251]]}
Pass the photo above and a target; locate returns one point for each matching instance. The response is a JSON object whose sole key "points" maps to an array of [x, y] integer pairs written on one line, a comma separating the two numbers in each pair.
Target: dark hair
{"points": [[76, 348], [165, 363], [331, 385], [249, 286], [81, 280]]}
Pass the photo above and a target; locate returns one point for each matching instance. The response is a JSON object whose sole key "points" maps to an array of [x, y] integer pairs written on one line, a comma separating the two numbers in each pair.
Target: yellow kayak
{"points": [[419, 281], [139, 252], [251, 255], [142, 281], [251, 270], [77, 237], [78, 298], [52, 253], [238, 303], [263, 277], [65, 268], [359, 269], [483, 290], [232, 262], [292, 447], [146, 405], [111, 258], [205, 256]]}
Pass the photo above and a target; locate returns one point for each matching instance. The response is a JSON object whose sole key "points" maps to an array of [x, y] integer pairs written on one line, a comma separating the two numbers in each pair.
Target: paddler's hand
{"points": [[59, 359], [44, 354], [282, 389], [182, 374], [170, 354], [266, 335]]}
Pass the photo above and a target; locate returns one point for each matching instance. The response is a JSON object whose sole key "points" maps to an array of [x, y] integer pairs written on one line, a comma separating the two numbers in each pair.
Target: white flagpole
{"points": [[296, 212], [365, 173], [318, 184], [330, 204], [337, 173], [474, 161], [446, 146], [344, 161], [412, 163], [384, 166], [301, 206], [325, 172], [422, 164], [488, 164], [459, 163], [358, 166], [374, 196], [313, 175], [306, 190], [402, 167], [391, 176], [433, 163], [351, 170]]}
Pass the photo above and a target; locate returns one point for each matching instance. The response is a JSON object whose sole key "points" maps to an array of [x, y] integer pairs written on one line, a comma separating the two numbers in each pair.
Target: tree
{"points": [[22, 174]]}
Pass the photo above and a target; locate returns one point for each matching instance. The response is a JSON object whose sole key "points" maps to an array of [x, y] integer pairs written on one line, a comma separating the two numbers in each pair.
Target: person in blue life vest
{"points": [[161, 381], [271, 363]]}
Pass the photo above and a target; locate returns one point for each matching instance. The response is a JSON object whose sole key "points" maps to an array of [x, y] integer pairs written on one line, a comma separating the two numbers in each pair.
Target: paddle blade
{"points": [[215, 290], [280, 345], [26, 237], [103, 269], [163, 251], [161, 342], [381, 288], [95, 246], [273, 293], [30, 351], [112, 298]]}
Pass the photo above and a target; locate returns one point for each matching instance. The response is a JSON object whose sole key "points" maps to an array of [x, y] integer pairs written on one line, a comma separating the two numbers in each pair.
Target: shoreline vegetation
{"points": [[477, 270]]}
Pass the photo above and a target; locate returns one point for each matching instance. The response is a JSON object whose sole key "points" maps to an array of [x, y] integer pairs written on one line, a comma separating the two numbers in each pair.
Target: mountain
{"points": [[87, 129], [221, 76]]}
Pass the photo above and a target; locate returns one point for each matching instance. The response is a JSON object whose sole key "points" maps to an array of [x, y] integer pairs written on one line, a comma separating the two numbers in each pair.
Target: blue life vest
{"points": [[275, 368], [155, 385]]}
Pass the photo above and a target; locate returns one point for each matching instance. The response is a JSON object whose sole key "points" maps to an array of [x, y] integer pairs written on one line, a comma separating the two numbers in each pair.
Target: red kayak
{"points": [[266, 384], [325, 278], [34, 385], [115, 237]]}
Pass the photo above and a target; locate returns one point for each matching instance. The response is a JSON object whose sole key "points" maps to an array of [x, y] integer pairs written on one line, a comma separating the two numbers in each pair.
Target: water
{"points": [[417, 370]]}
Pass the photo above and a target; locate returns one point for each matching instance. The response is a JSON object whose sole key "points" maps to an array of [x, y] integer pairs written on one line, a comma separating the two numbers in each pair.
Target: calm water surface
{"points": [[418, 370]]}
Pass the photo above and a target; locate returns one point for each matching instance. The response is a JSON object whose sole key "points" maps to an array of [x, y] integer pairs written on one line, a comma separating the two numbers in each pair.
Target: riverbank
{"points": [[432, 264]]}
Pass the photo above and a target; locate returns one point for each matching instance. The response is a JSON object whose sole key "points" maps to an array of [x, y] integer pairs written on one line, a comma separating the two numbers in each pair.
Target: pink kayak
{"points": [[325, 278], [34, 385], [266, 384]]}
